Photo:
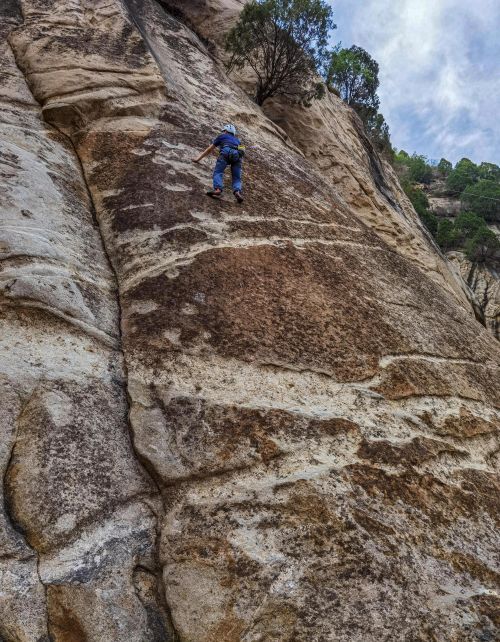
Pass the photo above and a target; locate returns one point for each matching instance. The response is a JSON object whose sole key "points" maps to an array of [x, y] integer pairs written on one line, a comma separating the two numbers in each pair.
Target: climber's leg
{"points": [[220, 166], [236, 170]]}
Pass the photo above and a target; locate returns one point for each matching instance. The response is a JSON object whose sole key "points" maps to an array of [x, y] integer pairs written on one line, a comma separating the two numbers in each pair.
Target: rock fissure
{"points": [[162, 627], [158, 629], [103, 241], [45, 591], [144, 461], [9, 512], [120, 316], [59, 623], [6, 494]]}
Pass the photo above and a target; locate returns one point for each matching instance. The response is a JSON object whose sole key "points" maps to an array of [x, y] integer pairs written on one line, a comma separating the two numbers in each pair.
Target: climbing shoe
{"points": [[215, 193], [238, 197]]}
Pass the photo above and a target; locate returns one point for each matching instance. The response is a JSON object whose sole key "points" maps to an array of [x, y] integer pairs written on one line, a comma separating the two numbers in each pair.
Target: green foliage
{"points": [[489, 172], [446, 236], [419, 169], [483, 198], [285, 44], [466, 225], [420, 202], [417, 197], [430, 221], [415, 168], [469, 232], [464, 174], [445, 167], [402, 156], [378, 131], [381, 137], [480, 198], [467, 166], [354, 73], [483, 246]]}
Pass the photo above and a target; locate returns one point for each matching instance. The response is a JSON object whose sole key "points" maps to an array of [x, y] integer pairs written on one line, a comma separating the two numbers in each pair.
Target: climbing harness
{"points": [[232, 155]]}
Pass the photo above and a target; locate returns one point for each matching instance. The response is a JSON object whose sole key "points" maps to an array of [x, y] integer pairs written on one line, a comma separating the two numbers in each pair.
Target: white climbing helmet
{"points": [[231, 129]]}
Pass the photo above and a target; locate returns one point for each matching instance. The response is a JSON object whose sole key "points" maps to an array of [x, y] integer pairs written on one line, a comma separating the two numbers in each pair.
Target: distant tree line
{"points": [[477, 187]]}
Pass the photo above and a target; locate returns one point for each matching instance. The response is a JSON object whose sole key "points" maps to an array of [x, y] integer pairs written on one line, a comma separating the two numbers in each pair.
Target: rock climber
{"points": [[231, 153]]}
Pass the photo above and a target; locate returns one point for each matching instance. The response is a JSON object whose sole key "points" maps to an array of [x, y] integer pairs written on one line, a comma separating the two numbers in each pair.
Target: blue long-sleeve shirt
{"points": [[226, 140]]}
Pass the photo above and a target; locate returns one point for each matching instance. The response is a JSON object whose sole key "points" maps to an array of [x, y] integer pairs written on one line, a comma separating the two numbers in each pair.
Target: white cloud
{"points": [[439, 71]]}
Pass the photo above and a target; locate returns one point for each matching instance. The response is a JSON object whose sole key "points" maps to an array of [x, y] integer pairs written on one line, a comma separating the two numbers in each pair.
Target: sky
{"points": [[439, 71]]}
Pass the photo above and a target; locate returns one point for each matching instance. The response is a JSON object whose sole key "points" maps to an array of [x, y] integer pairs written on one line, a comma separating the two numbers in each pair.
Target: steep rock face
{"points": [[444, 206], [331, 137], [320, 415], [484, 281], [77, 517]]}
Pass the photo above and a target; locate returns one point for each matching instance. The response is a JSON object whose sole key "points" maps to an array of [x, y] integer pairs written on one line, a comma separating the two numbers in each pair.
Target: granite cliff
{"points": [[274, 421]]}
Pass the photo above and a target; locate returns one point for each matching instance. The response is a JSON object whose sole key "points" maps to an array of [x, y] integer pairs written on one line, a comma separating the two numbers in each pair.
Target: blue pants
{"points": [[222, 162]]}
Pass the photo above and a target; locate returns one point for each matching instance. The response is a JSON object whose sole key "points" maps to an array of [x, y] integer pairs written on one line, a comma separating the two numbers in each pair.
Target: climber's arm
{"points": [[203, 154]]}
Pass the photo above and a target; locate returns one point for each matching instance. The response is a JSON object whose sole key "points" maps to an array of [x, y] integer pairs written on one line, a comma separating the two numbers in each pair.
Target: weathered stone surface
{"points": [[22, 598], [93, 65], [319, 408], [103, 585], [342, 153], [345, 156], [66, 458], [211, 19], [444, 205], [484, 281], [63, 427]]}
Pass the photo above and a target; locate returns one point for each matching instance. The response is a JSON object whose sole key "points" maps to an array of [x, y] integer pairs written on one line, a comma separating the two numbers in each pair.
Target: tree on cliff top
{"points": [[464, 174], [285, 43], [445, 167], [489, 172], [354, 73], [416, 167]]}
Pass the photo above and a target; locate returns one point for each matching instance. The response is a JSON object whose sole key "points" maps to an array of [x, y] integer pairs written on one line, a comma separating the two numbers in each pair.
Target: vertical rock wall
{"points": [[77, 529], [318, 414]]}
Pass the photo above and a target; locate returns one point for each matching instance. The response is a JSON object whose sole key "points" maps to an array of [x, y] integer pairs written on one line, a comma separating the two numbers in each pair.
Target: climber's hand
{"points": [[195, 160]]}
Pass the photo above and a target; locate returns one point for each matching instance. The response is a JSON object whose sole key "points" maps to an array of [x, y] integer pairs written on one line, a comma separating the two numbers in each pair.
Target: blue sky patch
{"points": [[439, 71]]}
